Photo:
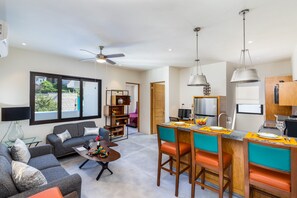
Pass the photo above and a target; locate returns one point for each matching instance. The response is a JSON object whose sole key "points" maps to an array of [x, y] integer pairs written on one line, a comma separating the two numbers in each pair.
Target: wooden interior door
{"points": [[157, 105]]}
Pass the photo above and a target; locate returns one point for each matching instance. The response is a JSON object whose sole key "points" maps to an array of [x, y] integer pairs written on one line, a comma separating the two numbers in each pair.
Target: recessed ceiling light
{"points": [[24, 44], [250, 42], [170, 50]]}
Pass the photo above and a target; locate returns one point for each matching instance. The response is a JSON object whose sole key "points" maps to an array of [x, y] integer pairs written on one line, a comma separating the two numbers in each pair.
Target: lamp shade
{"points": [[244, 75], [15, 113], [197, 80]]}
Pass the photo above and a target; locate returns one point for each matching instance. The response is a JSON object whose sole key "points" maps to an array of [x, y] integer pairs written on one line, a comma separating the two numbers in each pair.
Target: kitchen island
{"points": [[232, 144]]}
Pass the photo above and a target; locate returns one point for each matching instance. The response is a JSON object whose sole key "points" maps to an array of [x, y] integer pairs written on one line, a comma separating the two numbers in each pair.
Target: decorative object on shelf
{"points": [[197, 79], [206, 89], [15, 114], [120, 101], [243, 74], [117, 122]]}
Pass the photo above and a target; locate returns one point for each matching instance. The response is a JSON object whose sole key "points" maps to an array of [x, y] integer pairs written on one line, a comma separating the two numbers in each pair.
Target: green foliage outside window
{"points": [[45, 103]]}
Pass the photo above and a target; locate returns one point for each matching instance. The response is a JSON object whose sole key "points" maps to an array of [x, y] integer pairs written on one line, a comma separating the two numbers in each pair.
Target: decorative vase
{"points": [[15, 132], [206, 89], [120, 101]]}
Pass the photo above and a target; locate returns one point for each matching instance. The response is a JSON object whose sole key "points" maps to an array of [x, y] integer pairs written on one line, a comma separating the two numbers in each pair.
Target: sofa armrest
{"points": [[41, 150], [104, 133], [67, 185]]}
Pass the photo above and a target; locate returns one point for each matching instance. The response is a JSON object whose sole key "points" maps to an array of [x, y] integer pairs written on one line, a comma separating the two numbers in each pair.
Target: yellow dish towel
{"points": [[282, 140], [208, 129]]}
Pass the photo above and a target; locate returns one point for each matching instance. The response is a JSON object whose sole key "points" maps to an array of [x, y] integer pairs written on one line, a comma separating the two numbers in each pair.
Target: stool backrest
{"points": [[206, 141], [167, 134], [269, 156]]}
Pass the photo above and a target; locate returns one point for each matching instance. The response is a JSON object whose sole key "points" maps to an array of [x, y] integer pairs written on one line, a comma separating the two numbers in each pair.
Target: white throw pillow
{"points": [[20, 152], [64, 136], [91, 131], [26, 177]]}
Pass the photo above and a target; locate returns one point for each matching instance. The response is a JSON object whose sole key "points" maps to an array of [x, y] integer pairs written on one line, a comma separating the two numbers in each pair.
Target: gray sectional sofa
{"points": [[77, 133], [42, 159]]}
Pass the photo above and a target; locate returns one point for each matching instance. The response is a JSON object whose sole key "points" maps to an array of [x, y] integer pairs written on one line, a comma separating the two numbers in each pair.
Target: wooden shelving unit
{"points": [[116, 113]]}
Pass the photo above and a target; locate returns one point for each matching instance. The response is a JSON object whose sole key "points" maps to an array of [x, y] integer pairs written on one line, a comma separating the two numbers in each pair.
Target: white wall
{"points": [[253, 122], [174, 91], [15, 73], [216, 77], [148, 77]]}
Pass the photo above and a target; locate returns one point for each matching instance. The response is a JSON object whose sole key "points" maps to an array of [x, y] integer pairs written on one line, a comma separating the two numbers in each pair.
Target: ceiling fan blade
{"points": [[110, 61], [88, 59], [88, 51], [114, 55]]}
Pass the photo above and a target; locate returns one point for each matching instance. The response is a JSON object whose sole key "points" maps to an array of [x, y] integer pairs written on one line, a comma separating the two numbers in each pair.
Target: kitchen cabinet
{"points": [[287, 94], [271, 108]]}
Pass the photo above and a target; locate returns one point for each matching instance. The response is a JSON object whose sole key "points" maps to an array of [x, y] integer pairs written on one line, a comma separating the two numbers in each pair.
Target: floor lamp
{"points": [[14, 115]]}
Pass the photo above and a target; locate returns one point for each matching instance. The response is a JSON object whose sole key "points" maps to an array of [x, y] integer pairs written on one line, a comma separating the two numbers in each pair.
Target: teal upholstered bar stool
{"points": [[168, 144], [270, 168], [207, 153]]}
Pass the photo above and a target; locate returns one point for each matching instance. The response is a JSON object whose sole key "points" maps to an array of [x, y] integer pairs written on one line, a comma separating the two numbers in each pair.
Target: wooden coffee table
{"points": [[113, 155]]}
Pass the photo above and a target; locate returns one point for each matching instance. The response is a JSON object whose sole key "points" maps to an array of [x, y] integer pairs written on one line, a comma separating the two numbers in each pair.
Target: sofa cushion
{"points": [[89, 137], [20, 152], [7, 186], [54, 173], [81, 126], [26, 177], [44, 161], [68, 144], [4, 151], [72, 128]]}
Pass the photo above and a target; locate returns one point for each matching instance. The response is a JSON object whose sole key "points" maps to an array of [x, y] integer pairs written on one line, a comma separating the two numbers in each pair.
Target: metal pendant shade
{"points": [[197, 79], [244, 74]]}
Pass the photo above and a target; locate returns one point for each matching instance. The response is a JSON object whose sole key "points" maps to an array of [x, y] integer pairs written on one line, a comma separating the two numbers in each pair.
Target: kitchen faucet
{"points": [[219, 118]]}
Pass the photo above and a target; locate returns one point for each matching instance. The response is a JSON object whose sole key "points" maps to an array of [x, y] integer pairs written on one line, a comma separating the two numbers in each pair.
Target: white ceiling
{"points": [[145, 29]]}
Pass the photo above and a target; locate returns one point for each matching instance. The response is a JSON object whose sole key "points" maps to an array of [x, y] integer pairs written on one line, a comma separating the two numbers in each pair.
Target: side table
{"points": [[28, 141]]}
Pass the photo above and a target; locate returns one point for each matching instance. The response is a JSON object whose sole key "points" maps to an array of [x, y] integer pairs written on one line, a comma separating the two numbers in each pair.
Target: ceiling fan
{"points": [[101, 58]]}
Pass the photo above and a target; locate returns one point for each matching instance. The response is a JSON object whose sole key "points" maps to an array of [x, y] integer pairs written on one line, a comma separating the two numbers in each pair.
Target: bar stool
{"points": [[168, 143], [208, 154], [270, 167]]}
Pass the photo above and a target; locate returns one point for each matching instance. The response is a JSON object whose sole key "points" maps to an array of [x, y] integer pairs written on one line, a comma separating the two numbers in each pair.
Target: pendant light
{"points": [[197, 79], [244, 74]]}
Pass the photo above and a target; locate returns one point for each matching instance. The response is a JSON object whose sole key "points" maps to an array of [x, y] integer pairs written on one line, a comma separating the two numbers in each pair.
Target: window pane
{"points": [[46, 98], [70, 98], [90, 98]]}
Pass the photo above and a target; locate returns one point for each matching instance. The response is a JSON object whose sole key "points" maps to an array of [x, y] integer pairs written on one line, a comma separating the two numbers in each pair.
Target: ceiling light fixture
{"points": [[100, 58], [24, 44], [197, 79], [243, 74], [170, 50]]}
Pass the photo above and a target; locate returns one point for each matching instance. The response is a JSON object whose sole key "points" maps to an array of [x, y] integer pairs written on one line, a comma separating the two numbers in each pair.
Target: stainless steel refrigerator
{"points": [[208, 107]]}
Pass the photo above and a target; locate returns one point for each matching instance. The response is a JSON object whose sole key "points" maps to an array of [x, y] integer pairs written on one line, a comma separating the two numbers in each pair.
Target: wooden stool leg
{"points": [[202, 177], [231, 181], [193, 180], [221, 183], [159, 168], [190, 169], [170, 163], [177, 172]]}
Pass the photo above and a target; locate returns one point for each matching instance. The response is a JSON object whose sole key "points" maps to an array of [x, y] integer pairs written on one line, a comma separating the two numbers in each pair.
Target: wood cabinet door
{"points": [[157, 105], [272, 108]]}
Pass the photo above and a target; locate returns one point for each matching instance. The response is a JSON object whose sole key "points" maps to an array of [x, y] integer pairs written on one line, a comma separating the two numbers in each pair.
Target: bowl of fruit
{"points": [[201, 121]]}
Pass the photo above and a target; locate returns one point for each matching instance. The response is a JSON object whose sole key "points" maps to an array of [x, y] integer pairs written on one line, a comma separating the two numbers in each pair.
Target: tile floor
{"points": [[134, 175]]}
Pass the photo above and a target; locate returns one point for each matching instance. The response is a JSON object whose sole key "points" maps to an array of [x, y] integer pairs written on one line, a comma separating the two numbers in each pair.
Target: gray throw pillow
{"points": [[64, 136], [20, 152], [26, 177], [91, 131]]}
